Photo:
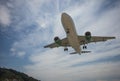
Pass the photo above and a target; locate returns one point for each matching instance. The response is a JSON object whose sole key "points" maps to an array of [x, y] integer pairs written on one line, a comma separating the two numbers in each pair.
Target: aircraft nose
{"points": [[64, 15]]}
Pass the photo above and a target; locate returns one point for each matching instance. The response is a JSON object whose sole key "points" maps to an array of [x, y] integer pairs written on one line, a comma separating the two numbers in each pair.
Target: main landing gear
{"points": [[84, 47], [65, 49], [84, 42]]}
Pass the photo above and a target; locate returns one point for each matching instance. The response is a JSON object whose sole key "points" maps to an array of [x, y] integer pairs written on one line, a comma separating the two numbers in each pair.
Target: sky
{"points": [[26, 26]]}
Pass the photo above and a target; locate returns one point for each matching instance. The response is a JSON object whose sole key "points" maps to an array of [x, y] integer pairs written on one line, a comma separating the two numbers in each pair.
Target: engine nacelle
{"points": [[57, 40], [88, 36]]}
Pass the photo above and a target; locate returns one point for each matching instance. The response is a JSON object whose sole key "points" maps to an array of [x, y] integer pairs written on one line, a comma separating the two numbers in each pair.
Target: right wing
{"points": [[83, 41], [64, 43], [100, 38]]}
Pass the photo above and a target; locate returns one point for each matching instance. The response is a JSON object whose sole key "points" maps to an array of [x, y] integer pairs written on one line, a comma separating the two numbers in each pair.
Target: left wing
{"points": [[83, 40], [64, 43]]}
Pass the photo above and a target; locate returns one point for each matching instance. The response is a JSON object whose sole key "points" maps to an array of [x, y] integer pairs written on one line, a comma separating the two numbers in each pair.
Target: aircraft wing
{"points": [[64, 43], [94, 39]]}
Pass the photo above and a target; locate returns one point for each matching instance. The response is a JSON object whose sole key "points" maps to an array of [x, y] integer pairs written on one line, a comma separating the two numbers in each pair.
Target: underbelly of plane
{"points": [[73, 41]]}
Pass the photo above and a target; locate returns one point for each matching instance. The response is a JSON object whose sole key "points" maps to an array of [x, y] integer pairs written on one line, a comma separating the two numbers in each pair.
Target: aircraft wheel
{"points": [[65, 49], [68, 32], [85, 47]]}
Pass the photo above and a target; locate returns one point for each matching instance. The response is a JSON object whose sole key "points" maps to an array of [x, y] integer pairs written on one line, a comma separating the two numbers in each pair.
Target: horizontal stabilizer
{"points": [[81, 52], [85, 51], [73, 53]]}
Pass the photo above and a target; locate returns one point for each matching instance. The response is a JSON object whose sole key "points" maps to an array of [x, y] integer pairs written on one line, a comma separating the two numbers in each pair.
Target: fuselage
{"points": [[71, 33]]}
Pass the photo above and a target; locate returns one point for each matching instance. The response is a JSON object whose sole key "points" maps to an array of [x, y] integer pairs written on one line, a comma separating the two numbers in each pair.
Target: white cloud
{"points": [[43, 19], [110, 80], [101, 80], [104, 23], [85, 18], [35, 5], [13, 50], [21, 53], [5, 16], [56, 65]]}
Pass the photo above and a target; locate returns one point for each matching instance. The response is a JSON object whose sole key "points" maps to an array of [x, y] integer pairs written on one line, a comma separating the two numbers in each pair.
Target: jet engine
{"points": [[88, 36], [57, 40]]}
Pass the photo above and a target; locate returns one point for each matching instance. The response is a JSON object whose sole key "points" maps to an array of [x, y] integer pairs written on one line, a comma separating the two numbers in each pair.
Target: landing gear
{"points": [[66, 49], [84, 47], [67, 31]]}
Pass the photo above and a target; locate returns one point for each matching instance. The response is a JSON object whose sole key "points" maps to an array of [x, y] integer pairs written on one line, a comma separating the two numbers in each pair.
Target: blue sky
{"points": [[27, 25]]}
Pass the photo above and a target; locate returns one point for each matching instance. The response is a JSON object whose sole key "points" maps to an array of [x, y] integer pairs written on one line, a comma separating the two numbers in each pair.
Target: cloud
{"points": [[49, 26], [104, 22], [39, 25], [55, 64], [19, 53], [5, 18], [91, 17], [110, 80], [101, 80]]}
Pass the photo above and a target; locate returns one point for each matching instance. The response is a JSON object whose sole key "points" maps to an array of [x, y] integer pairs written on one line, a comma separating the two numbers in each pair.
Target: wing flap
{"points": [[51, 45], [64, 43], [100, 39]]}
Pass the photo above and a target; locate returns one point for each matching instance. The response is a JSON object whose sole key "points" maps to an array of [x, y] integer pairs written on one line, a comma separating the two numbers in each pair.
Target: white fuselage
{"points": [[71, 33]]}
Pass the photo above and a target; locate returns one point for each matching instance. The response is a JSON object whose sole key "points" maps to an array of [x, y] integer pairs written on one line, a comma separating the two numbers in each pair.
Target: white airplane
{"points": [[73, 39]]}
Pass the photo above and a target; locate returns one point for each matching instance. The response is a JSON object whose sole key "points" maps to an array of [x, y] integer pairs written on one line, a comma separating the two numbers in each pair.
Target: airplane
{"points": [[73, 40]]}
